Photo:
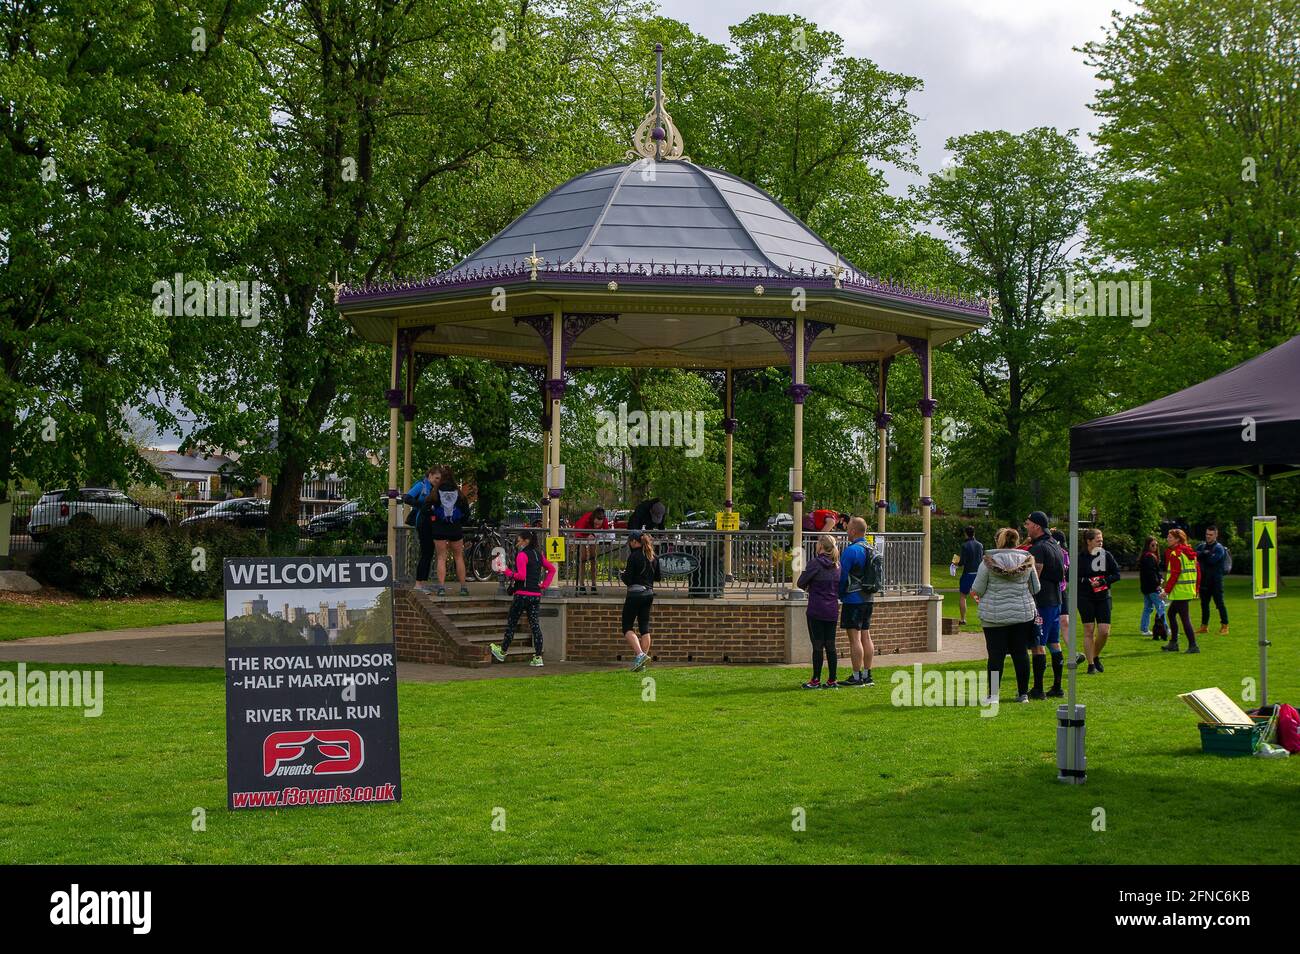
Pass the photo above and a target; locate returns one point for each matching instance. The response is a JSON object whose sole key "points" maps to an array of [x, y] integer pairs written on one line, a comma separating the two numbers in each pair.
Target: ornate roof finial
{"points": [[657, 137], [837, 270], [533, 261], [335, 286]]}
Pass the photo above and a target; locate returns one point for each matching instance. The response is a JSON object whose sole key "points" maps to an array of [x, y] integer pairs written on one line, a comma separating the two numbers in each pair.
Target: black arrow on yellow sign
{"points": [[1264, 546]]}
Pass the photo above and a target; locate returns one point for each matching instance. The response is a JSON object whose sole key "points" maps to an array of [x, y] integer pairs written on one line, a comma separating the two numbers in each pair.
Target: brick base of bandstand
{"points": [[456, 631]]}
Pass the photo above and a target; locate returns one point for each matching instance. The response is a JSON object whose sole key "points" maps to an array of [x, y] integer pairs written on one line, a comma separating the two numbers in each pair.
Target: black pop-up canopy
{"points": [[1247, 418]]}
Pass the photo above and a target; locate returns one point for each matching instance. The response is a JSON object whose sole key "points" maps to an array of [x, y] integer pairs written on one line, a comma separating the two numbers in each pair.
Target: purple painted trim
{"points": [[782, 329], [393, 493], [926, 501], [408, 412], [921, 348], [882, 505], [555, 388], [406, 338], [727, 503], [394, 396], [799, 392], [796, 496], [883, 419], [926, 406], [729, 425], [666, 274], [540, 324], [575, 325], [555, 494]]}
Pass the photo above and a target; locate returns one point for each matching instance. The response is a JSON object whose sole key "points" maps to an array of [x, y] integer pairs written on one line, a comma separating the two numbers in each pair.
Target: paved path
{"points": [[202, 645]]}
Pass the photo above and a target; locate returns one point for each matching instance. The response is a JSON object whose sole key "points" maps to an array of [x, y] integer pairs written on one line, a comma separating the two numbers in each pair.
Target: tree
{"points": [[1200, 144], [1015, 204], [126, 154]]}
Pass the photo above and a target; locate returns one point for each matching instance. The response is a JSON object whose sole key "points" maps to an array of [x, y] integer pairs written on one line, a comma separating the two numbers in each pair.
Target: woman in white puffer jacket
{"points": [[1005, 585]]}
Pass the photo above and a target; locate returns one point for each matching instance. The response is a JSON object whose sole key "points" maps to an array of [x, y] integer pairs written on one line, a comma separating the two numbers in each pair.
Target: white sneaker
{"points": [[639, 663]]}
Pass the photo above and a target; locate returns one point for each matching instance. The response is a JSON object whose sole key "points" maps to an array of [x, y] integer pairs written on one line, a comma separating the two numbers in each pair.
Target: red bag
{"points": [[1288, 728]]}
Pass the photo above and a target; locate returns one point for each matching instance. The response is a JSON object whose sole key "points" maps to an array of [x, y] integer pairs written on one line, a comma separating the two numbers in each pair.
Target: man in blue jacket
{"points": [[856, 605], [1213, 558]]}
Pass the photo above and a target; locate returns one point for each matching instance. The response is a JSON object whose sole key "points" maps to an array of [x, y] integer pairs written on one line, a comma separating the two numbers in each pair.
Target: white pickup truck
{"points": [[88, 506]]}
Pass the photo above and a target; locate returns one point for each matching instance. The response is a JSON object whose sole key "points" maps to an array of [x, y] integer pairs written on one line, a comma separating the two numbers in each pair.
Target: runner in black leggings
{"points": [[640, 576]]}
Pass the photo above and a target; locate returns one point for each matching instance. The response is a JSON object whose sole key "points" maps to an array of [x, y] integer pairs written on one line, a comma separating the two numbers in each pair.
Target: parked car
{"points": [[87, 506], [343, 519], [780, 521], [704, 520], [249, 513]]}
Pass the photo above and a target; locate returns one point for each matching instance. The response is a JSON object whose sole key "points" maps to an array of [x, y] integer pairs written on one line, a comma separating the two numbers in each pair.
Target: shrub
{"points": [[99, 561]]}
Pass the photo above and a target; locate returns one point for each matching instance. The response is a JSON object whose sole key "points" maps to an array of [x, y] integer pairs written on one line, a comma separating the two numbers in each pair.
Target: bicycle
{"points": [[478, 555]]}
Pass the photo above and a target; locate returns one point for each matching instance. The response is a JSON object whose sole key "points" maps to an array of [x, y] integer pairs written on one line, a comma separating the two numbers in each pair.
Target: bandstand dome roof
{"points": [[666, 212], [662, 263]]}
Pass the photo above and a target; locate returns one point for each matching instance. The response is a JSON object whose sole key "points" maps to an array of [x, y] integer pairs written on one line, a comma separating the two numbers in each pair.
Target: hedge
{"points": [[113, 561], [98, 561]]}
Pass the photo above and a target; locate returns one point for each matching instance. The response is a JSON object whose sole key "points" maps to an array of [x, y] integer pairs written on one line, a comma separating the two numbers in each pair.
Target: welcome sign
{"points": [[311, 682]]}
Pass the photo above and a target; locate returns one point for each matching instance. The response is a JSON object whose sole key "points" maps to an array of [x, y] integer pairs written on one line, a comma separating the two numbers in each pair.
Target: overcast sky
{"points": [[986, 64]]}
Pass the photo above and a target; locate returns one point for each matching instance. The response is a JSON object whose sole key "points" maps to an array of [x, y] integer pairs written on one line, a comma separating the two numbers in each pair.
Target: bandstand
{"points": [[659, 262]]}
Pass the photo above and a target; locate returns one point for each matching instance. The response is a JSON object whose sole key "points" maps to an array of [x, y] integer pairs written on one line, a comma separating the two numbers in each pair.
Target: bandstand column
{"points": [[394, 403], [729, 426], [555, 389], [927, 404], [882, 445], [798, 392], [408, 418]]}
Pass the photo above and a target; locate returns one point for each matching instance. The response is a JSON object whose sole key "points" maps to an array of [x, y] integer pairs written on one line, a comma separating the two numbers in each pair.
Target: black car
{"points": [[352, 514], [704, 520], [249, 513]]}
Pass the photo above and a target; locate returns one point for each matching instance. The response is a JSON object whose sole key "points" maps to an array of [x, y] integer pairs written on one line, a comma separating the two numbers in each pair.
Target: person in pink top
{"points": [[531, 575]]}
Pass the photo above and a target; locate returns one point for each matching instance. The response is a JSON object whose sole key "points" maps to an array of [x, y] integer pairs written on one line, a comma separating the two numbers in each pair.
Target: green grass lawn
{"points": [[38, 615], [711, 771]]}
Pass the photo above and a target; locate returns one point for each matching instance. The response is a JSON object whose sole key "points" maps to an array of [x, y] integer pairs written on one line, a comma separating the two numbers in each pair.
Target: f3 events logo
{"points": [[336, 752]]}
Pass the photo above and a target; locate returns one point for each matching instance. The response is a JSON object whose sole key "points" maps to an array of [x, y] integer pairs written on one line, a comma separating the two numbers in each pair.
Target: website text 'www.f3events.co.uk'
{"points": [[338, 795]]}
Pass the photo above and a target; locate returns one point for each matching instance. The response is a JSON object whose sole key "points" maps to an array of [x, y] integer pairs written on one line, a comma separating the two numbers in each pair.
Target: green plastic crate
{"points": [[1233, 739]]}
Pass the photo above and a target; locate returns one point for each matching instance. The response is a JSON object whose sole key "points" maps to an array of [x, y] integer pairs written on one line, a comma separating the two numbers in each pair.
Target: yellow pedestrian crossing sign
{"points": [[555, 549], [1263, 550]]}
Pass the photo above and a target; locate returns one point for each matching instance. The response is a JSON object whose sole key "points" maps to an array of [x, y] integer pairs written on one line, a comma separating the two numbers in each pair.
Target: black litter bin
{"points": [[708, 579]]}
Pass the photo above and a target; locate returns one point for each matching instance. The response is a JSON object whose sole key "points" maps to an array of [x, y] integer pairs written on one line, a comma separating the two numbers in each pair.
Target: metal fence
{"points": [[697, 563]]}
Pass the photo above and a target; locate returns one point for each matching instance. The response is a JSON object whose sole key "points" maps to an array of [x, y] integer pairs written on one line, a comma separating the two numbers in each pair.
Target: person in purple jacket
{"points": [[821, 578]]}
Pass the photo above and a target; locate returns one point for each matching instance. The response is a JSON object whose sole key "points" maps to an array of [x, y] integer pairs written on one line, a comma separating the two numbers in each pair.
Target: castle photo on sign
{"points": [[309, 617]]}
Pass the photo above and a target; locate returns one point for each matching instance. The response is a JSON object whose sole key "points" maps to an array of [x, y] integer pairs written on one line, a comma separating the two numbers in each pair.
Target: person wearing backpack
{"points": [[860, 580], [1213, 558], [1098, 572], [528, 586]]}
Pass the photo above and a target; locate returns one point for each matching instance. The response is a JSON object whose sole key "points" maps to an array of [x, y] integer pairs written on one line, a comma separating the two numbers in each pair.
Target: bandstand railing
{"points": [[760, 564]]}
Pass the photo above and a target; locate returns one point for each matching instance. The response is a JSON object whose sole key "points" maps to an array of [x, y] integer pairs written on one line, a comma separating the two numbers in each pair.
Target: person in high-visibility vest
{"points": [[1182, 584]]}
